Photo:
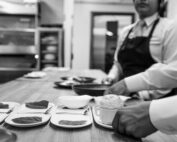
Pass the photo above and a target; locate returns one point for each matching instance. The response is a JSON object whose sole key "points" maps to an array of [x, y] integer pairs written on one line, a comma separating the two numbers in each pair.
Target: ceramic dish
{"points": [[90, 89], [64, 84], [71, 120], [44, 119]]}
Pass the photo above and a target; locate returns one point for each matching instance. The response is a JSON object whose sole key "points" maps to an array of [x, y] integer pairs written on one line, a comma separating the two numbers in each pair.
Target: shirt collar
{"points": [[151, 19]]}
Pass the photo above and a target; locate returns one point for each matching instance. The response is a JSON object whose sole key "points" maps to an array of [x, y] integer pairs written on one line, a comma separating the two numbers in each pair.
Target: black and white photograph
{"points": [[88, 71]]}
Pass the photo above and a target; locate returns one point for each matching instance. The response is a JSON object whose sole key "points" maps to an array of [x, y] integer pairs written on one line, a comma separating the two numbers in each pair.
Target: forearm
{"points": [[159, 76], [163, 114], [115, 71]]}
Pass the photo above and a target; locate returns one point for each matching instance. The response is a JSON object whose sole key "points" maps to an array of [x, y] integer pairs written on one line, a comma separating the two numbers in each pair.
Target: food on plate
{"points": [[70, 122], [110, 101], [27, 120], [4, 106], [79, 79], [38, 105]]}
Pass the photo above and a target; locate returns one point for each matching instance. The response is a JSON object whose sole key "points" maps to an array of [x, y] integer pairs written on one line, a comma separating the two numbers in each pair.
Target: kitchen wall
{"points": [[82, 26], [172, 9], [52, 11]]}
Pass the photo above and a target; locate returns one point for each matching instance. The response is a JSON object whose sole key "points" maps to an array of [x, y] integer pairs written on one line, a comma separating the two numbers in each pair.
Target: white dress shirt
{"points": [[163, 49], [163, 114]]}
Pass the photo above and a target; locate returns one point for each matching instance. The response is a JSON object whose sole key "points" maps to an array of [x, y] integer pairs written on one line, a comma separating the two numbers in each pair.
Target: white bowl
{"points": [[51, 48], [49, 57], [74, 101]]}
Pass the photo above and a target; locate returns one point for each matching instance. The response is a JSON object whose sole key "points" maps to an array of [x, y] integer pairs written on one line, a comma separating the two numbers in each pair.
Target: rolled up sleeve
{"points": [[163, 114]]}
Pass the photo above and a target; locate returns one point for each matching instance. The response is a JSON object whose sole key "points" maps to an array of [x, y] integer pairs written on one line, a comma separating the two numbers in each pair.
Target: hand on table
{"points": [[118, 88], [108, 81], [134, 121]]}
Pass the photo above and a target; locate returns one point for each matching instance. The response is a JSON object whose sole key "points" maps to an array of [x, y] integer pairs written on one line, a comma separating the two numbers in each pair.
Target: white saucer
{"points": [[55, 119], [45, 118]]}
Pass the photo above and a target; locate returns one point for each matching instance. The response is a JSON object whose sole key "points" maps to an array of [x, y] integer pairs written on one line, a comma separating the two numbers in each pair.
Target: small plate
{"points": [[68, 82], [12, 105], [35, 74], [23, 109], [90, 89], [72, 120], [9, 119]]}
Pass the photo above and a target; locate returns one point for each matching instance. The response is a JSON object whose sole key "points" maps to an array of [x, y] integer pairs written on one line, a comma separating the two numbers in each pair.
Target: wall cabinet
{"points": [[50, 47]]}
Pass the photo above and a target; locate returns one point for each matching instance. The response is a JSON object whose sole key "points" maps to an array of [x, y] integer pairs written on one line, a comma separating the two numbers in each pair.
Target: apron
{"points": [[134, 55]]}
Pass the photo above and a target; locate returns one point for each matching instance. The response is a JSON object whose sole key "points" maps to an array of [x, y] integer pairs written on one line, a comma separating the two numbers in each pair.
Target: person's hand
{"points": [[134, 121], [118, 88], [108, 81]]}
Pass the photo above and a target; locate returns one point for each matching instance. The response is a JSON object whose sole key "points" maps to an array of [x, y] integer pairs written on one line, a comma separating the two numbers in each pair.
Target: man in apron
{"points": [[146, 57]]}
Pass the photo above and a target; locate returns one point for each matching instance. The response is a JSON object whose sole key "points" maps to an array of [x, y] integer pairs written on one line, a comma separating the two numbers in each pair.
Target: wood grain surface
{"points": [[24, 90]]}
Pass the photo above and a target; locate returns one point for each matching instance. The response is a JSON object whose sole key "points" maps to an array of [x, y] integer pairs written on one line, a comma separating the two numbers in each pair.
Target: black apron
{"points": [[134, 55]]}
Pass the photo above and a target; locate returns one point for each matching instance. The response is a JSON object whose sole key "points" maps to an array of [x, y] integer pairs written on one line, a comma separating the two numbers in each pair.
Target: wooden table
{"points": [[25, 90]]}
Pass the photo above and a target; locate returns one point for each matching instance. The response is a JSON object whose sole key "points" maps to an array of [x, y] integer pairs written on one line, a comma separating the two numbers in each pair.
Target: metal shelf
{"points": [[17, 30], [17, 69], [50, 37]]}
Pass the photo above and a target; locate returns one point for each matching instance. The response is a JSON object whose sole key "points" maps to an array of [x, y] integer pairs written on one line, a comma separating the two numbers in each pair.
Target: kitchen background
{"points": [[78, 34]]}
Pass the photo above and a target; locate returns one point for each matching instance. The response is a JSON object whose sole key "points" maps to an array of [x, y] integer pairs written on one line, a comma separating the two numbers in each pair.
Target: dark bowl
{"points": [[90, 89]]}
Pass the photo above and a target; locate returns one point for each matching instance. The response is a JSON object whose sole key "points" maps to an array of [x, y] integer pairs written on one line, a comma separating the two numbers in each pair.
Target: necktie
{"points": [[142, 25]]}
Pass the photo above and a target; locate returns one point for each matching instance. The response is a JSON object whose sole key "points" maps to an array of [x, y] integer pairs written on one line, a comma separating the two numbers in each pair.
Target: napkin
{"points": [[27, 120], [70, 122], [37, 105], [4, 106]]}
